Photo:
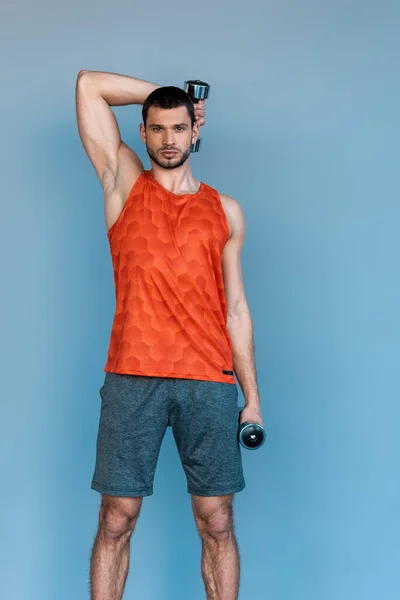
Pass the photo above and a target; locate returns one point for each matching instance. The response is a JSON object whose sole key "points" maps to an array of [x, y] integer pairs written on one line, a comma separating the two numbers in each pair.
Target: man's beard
{"points": [[169, 163]]}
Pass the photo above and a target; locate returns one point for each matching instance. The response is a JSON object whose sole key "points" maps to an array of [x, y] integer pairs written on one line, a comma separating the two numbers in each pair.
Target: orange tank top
{"points": [[170, 317]]}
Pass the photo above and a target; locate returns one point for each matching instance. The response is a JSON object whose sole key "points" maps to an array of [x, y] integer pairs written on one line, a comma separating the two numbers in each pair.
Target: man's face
{"points": [[168, 136]]}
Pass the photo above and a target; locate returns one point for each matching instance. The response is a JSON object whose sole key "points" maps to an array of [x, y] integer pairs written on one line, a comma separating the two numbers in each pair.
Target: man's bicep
{"points": [[231, 258], [97, 126]]}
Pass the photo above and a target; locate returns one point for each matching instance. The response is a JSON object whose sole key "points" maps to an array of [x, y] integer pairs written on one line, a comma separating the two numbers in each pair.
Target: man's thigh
{"points": [[205, 418], [133, 421]]}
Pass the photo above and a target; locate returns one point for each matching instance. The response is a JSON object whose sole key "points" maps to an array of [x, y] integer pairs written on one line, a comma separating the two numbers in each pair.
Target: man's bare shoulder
{"points": [[234, 214]]}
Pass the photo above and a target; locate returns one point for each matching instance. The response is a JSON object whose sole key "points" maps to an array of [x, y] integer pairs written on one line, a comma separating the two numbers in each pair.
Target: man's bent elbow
{"points": [[82, 75]]}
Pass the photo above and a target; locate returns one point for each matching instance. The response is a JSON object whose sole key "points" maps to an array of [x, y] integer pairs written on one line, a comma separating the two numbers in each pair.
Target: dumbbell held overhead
{"points": [[197, 90]]}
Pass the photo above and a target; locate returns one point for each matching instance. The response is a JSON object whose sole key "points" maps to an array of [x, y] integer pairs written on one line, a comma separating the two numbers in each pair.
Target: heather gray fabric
{"points": [[135, 413]]}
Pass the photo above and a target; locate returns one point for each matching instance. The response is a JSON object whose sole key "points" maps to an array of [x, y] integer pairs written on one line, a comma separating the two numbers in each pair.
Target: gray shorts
{"points": [[135, 413]]}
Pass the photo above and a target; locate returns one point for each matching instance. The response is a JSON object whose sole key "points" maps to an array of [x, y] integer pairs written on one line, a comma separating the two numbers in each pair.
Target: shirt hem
{"points": [[149, 373]]}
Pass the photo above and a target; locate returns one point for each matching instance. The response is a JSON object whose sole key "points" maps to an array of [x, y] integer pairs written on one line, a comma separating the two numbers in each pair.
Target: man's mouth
{"points": [[169, 153]]}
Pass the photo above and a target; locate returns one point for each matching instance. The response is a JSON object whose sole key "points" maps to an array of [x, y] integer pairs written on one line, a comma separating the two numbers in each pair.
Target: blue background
{"points": [[303, 129]]}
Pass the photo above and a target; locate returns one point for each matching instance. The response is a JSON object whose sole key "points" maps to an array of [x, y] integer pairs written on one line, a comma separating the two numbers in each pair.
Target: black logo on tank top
{"points": [[227, 372]]}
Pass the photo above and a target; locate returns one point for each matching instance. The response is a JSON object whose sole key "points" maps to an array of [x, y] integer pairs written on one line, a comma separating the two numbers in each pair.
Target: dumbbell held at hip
{"points": [[251, 435], [197, 90]]}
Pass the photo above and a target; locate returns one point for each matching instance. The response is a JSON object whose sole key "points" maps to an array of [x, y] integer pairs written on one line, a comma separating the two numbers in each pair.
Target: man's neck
{"points": [[177, 181]]}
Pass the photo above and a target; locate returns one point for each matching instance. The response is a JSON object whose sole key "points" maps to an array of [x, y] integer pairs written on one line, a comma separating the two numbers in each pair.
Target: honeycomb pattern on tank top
{"points": [[170, 316]]}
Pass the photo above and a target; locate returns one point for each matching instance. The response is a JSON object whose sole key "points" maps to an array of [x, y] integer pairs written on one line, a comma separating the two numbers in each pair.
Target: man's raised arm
{"points": [[96, 92]]}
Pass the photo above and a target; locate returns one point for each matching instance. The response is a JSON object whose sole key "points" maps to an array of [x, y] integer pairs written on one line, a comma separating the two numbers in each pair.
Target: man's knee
{"points": [[213, 516], [118, 516]]}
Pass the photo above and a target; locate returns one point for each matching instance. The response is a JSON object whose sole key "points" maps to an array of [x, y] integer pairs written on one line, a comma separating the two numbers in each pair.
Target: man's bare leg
{"points": [[220, 562], [109, 563]]}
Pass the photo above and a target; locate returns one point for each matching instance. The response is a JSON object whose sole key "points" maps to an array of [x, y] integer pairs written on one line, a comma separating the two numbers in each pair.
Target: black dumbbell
{"points": [[251, 435], [197, 90]]}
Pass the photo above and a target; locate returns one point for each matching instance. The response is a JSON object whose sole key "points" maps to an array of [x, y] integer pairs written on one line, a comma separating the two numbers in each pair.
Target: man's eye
{"points": [[156, 128], [180, 128]]}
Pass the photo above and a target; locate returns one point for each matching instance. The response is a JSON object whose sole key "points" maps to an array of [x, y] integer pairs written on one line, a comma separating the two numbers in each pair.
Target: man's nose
{"points": [[168, 138]]}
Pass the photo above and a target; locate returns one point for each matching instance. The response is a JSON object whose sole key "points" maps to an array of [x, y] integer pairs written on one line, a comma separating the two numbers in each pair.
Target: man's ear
{"points": [[142, 132], [195, 132]]}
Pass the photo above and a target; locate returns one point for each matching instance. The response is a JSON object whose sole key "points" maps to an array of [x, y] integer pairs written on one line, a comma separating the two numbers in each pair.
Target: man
{"points": [[182, 327]]}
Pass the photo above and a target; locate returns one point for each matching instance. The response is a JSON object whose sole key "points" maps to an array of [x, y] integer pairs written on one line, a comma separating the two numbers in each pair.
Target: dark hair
{"points": [[168, 96]]}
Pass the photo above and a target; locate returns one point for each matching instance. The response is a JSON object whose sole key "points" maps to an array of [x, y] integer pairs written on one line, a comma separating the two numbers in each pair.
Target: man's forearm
{"points": [[117, 90], [240, 329]]}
